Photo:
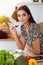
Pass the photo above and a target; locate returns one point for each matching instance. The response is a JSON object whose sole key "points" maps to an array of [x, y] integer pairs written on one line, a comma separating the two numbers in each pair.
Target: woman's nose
{"points": [[21, 17]]}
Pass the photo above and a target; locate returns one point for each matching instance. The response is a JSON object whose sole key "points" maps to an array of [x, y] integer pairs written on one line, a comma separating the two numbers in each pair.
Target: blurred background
{"points": [[7, 7]]}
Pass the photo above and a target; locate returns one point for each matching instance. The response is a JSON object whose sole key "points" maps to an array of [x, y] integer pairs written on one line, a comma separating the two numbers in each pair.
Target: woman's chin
{"points": [[22, 23]]}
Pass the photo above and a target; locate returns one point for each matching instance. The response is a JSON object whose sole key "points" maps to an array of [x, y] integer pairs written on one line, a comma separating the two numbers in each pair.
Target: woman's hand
{"points": [[12, 29]]}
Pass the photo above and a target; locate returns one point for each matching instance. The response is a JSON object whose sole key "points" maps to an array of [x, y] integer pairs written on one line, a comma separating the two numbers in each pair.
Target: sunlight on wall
{"points": [[6, 7]]}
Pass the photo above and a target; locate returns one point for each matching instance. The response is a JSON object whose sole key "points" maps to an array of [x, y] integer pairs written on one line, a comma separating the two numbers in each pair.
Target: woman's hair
{"points": [[14, 14], [25, 8]]}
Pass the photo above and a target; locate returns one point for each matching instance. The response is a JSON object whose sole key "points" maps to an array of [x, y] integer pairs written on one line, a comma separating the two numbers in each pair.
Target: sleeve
{"points": [[34, 32]]}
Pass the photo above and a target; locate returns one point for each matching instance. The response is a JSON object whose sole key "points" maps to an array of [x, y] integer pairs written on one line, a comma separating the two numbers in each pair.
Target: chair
{"points": [[41, 26]]}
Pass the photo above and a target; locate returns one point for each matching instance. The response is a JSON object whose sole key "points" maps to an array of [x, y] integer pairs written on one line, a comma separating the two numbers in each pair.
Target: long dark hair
{"points": [[25, 8]]}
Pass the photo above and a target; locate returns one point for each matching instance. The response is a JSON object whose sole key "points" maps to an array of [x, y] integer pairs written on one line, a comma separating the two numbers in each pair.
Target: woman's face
{"points": [[23, 17]]}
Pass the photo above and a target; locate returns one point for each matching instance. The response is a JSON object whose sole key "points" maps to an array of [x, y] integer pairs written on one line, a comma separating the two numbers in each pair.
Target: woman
{"points": [[30, 32]]}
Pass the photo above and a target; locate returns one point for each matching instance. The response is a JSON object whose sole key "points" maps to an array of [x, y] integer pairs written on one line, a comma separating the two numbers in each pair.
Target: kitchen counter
{"points": [[40, 63], [9, 39], [10, 45]]}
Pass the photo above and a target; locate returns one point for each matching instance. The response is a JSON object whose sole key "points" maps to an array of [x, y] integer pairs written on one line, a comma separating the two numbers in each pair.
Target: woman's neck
{"points": [[26, 25]]}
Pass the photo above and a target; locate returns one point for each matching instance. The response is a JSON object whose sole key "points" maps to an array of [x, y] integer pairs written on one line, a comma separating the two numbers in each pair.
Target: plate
{"points": [[39, 58]]}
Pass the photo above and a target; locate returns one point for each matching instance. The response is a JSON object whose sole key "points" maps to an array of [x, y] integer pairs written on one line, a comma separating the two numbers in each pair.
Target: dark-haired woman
{"points": [[30, 32]]}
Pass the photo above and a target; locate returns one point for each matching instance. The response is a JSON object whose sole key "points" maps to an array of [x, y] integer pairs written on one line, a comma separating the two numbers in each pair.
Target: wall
{"points": [[37, 12]]}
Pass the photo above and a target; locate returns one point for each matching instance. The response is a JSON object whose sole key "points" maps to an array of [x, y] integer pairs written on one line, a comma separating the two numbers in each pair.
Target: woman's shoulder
{"points": [[34, 26]]}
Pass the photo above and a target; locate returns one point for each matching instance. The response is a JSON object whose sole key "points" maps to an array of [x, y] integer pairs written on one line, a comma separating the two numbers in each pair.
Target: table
{"points": [[8, 44], [40, 63]]}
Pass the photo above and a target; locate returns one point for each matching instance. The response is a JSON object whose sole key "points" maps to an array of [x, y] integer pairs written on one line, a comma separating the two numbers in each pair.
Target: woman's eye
{"points": [[21, 15], [24, 14], [18, 15]]}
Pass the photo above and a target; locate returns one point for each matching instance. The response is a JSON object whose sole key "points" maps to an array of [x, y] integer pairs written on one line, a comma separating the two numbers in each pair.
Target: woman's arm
{"points": [[34, 36], [19, 41], [35, 48]]}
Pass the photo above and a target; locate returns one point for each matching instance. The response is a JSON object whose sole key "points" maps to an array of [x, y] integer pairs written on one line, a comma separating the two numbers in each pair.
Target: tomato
{"points": [[28, 57]]}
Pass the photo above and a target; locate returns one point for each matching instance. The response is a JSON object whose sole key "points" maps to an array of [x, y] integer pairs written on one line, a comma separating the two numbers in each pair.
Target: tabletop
{"points": [[40, 63]]}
